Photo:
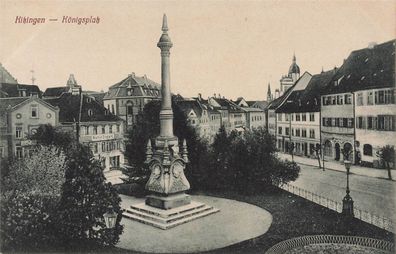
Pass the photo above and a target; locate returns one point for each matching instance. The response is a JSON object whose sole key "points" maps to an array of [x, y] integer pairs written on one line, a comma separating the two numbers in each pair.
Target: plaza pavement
{"points": [[337, 166], [236, 222], [374, 195]]}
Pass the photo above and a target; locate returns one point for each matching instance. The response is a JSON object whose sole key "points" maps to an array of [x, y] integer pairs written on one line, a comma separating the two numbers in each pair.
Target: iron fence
{"points": [[360, 214]]}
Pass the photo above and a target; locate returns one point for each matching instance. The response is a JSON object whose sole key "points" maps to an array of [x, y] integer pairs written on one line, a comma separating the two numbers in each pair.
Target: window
{"points": [[312, 133], [360, 123], [304, 117], [324, 121], [34, 111], [103, 129], [298, 117], [348, 99], [110, 129], [341, 122], [339, 99], [118, 128], [88, 130], [103, 146], [333, 100], [95, 148], [279, 116], [389, 97], [279, 130], [287, 131], [359, 99], [333, 122], [95, 130], [112, 108], [292, 131], [311, 117], [386, 122], [287, 117], [292, 117], [90, 112], [18, 152], [129, 109], [368, 150], [380, 97], [337, 122], [370, 123], [304, 133], [350, 122], [297, 132], [370, 98], [18, 132]]}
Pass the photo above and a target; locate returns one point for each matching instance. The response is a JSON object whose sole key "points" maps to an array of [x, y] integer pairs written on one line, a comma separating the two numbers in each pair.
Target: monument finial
{"points": [[164, 24]]}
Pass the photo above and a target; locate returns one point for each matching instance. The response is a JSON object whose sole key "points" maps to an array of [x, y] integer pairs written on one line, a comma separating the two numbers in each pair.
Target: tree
{"points": [[85, 195], [147, 128], [387, 154], [30, 198]]}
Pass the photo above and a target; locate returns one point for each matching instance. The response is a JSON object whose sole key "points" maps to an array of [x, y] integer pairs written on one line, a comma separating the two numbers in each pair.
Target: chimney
{"points": [[199, 96], [219, 96], [214, 95]]}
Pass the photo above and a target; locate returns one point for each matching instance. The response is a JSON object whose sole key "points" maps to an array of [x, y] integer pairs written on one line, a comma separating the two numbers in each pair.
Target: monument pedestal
{"points": [[168, 202], [168, 218]]}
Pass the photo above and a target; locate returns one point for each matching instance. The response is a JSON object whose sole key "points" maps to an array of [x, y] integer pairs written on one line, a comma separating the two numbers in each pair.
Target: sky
{"points": [[232, 48]]}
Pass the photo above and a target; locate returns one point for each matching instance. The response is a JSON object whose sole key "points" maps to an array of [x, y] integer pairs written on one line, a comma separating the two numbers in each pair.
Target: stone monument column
{"points": [[167, 205], [167, 181]]}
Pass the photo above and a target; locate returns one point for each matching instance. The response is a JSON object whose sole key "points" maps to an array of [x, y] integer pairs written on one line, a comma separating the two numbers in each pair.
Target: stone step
{"points": [[192, 215], [168, 219], [166, 213]]}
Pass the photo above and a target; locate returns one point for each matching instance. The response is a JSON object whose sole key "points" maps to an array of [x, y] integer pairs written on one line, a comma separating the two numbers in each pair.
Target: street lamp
{"points": [[347, 202], [110, 217]]}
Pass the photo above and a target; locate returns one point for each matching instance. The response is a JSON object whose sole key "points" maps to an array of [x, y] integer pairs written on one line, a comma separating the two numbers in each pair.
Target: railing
{"points": [[293, 243], [363, 215]]}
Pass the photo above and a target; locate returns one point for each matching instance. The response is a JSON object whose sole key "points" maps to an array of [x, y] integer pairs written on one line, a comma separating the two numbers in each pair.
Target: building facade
{"points": [[128, 97], [358, 106], [19, 118], [93, 125]]}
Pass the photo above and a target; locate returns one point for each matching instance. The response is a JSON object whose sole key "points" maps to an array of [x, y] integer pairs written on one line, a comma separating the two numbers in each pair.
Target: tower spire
{"points": [[164, 24]]}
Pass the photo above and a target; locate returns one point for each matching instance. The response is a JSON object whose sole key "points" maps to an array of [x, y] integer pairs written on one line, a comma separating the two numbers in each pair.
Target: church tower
{"points": [[269, 94], [292, 76]]}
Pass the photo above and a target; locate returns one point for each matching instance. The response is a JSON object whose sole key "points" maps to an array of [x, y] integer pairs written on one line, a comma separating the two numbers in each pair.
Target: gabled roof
{"points": [[6, 77], [134, 86], [367, 68], [187, 105], [13, 90], [16, 102], [307, 100], [227, 104], [69, 106]]}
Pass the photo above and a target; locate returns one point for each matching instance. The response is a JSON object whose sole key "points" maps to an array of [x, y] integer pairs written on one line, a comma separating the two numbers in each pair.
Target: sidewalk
{"points": [[337, 166]]}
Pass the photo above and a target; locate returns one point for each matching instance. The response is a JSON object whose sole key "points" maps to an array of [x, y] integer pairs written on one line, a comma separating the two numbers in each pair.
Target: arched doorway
{"points": [[337, 152], [327, 149]]}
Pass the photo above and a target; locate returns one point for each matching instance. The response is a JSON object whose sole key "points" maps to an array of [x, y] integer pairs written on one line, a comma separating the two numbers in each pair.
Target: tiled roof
{"points": [[13, 90], [137, 86], [55, 91], [366, 68], [227, 104], [259, 104], [307, 100], [69, 106]]}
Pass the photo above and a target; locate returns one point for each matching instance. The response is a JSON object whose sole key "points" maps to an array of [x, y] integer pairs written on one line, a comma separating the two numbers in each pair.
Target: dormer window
{"points": [[88, 100]]}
